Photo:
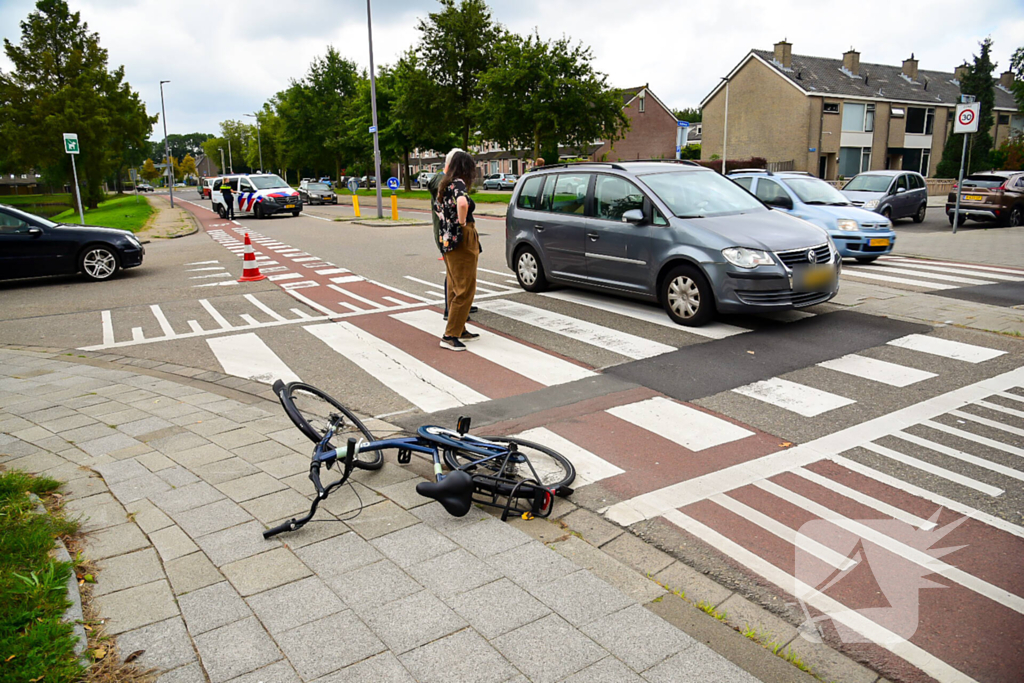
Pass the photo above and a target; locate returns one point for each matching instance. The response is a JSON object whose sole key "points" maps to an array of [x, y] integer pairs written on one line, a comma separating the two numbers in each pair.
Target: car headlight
{"points": [[747, 258], [871, 204], [847, 224]]}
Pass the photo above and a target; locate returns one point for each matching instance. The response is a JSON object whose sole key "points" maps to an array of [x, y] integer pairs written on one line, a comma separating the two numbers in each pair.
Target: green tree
{"points": [[1017, 67], [456, 47], [60, 83], [540, 95], [980, 83], [149, 171], [188, 166], [691, 114]]}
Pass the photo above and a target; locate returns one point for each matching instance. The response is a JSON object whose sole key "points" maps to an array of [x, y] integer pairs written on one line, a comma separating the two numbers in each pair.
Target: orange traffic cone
{"points": [[251, 271]]}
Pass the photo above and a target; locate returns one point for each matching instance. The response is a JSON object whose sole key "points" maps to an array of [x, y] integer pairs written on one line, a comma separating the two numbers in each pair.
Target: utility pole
{"points": [[259, 143], [725, 128], [223, 168], [373, 108], [231, 164], [167, 148]]}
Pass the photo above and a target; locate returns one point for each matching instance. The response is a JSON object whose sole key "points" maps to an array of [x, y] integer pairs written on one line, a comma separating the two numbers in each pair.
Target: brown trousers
{"points": [[460, 265]]}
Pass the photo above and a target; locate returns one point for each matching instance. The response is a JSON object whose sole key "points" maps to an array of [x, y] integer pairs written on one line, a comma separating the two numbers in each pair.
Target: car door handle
{"points": [[539, 228], [593, 236]]}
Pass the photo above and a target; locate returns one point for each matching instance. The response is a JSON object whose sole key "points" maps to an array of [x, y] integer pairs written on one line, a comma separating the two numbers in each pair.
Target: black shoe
{"points": [[469, 336], [452, 344], [473, 309]]}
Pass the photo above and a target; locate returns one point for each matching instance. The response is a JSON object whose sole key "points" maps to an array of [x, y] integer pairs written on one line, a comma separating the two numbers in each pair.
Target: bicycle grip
{"points": [[281, 528]]}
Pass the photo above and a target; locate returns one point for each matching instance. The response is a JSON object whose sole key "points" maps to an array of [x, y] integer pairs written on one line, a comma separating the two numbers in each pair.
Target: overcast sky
{"points": [[226, 58]]}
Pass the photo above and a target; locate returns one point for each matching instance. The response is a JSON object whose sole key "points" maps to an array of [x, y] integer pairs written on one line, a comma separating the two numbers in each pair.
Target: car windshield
{"points": [[317, 186], [701, 194], [814, 191], [986, 182], [869, 183], [26, 217], [268, 182]]}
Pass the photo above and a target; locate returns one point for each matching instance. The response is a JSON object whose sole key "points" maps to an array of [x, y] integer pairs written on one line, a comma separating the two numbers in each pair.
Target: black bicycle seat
{"points": [[454, 492]]}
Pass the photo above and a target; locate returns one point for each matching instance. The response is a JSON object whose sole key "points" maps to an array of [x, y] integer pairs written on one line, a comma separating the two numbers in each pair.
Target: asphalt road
{"points": [[719, 444]]}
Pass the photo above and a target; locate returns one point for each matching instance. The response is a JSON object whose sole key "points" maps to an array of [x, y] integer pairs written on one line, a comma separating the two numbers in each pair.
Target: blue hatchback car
{"points": [[857, 233]]}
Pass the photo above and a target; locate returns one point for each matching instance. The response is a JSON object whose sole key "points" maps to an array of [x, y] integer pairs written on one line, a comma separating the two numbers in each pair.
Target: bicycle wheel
{"points": [[530, 461], [312, 411]]}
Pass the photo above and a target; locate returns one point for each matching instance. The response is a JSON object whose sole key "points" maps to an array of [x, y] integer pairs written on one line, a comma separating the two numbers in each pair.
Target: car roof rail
{"points": [[566, 164], [685, 162]]}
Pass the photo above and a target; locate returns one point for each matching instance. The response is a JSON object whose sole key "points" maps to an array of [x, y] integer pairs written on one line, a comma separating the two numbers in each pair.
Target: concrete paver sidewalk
{"points": [[176, 484]]}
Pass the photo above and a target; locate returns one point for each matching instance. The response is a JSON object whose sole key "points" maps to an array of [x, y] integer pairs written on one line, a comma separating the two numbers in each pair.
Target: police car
{"points": [[259, 194]]}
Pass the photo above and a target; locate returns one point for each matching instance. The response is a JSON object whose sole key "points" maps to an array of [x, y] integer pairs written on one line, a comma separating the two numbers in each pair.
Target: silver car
{"points": [[671, 232], [894, 194]]}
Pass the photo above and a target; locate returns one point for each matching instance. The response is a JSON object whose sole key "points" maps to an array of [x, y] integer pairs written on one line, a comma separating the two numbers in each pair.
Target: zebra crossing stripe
{"points": [[540, 366], [864, 499], [931, 276], [976, 438], [926, 466], [690, 428], [797, 398], [961, 455], [877, 370], [412, 379], [589, 467], [850, 272], [963, 270], [622, 343], [248, 356], [947, 349], [972, 266], [995, 424]]}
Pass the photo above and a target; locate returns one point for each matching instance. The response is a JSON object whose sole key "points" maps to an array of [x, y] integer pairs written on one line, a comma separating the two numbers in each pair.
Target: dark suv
{"points": [[992, 196], [671, 232]]}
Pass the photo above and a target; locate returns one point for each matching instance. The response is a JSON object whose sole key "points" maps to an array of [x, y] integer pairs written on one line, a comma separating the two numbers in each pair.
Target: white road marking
{"points": [[248, 356], [253, 322], [345, 279], [926, 466], [690, 428], [195, 327], [263, 307], [541, 367], [226, 283], [412, 379], [215, 314], [305, 258], [961, 271], [205, 277], [305, 284], [165, 325], [877, 370], [202, 263], [1012, 397], [347, 293], [351, 307], [137, 334], [108, 327], [961, 455], [301, 314], [788, 534], [849, 272], [987, 422], [916, 273], [424, 282], [312, 304], [494, 272], [864, 499], [393, 300], [196, 270], [505, 288], [284, 276], [797, 398], [589, 467], [1000, 409], [976, 438], [954, 263], [643, 312], [946, 348], [275, 269], [622, 343], [404, 293], [333, 271]]}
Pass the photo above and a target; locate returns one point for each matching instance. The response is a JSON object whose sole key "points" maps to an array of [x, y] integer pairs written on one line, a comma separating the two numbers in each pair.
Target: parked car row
{"points": [[996, 196], [500, 181]]}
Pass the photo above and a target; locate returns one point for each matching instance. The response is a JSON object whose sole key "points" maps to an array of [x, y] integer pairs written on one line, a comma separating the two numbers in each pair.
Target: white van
{"points": [[258, 194]]}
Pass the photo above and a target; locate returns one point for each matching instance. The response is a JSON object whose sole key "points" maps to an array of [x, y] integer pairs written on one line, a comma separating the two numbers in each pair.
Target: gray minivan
{"points": [[666, 231], [894, 194]]}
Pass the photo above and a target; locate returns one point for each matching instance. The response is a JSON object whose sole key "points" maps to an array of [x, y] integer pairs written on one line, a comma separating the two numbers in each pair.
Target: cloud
{"points": [[227, 58]]}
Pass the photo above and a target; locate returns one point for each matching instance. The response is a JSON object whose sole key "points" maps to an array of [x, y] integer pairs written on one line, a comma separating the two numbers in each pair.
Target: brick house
{"points": [[838, 117], [652, 129], [206, 167]]}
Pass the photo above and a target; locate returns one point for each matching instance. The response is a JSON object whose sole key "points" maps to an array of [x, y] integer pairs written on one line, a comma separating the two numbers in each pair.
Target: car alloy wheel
{"points": [[99, 263], [1016, 217]]}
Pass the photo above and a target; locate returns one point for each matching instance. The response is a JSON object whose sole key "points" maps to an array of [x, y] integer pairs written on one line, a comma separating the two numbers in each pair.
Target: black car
{"points": [[31, 246], [316, 192]]}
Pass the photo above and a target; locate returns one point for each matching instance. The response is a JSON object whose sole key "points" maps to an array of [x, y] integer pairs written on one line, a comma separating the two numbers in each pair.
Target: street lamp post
{"points": [[223, 168], [231, 164], [373, 108], [258, 141], [167, 148]]}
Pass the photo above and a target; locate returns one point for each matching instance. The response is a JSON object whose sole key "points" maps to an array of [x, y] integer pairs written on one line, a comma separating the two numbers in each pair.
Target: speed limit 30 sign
{"points": [[967, 116]]}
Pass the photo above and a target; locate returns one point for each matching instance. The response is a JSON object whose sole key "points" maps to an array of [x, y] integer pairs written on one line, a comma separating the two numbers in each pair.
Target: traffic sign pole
{"points": [[967, 118], [373, 107], [78, 190], [959, 186]]}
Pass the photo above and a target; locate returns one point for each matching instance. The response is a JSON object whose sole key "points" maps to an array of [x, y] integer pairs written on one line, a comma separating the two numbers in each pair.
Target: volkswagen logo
{"points": [[811, 257]]}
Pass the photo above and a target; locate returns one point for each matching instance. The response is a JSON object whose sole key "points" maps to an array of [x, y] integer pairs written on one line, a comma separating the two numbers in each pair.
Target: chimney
{"points": [[1006, 79], [784, 54], [910, 67], [960, 72], [851, 61]]}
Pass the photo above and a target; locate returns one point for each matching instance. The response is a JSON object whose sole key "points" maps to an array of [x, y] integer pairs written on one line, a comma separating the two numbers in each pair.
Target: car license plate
{"points": [[879, 242], [974, 197], [289, 206], [814, 279]]}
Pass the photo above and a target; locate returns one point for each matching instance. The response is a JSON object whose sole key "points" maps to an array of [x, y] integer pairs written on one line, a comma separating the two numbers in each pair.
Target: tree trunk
{"points": [[536, 142], [408, 180]]}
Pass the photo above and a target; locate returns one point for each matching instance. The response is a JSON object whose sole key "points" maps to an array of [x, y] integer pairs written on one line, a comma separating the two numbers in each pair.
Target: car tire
{"points": [[530, 271], [919, 216], [98, 262], [257, 212], [963, 219], [222, 212], [687, 297], [1016, 217], [866, 259], [295, 214], [887, 212]]}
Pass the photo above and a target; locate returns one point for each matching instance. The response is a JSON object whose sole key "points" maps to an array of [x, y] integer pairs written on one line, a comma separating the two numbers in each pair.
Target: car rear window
{"points": [[985, 182], [570, 193]]}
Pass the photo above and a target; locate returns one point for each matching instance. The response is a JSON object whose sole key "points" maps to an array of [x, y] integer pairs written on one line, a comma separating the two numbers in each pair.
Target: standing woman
{"points": [[460, 245]]}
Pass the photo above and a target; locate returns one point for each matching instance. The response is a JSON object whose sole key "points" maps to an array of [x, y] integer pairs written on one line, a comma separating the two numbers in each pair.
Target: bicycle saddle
{"points": [[454, 492]]}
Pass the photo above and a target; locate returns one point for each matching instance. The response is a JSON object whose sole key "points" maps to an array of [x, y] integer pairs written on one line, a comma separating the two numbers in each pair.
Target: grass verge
{"points": [[123, 213], [35, 644]]}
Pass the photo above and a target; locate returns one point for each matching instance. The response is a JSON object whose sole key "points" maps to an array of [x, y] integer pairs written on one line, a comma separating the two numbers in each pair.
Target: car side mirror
{"points": [[635, 216], [35, 232], [781, 203], [900, 190]]}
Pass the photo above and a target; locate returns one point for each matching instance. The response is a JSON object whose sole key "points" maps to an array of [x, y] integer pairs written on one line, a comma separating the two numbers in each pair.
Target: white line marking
{"points": [[137, 334], [205, 277], [165, 325], [305, 258], [333, 271], [305, 284], [622, 343], [1012, 397], [196, 270], [926, 466], [690, 428], [424, 282], [942, 269], [393, 300], [877, 370], [589, 467], [994, 424], [918, 273], [902, 550], [284, 276], [413, 380], [946, 348], [275, 269], [541, 367], [961, 455], [954, 263], [194, 326], [108, 327], [797, 398], [835, 610], [263, 307], [347, 293], [226, 283], [215, 314], [248, 356], [499, 285], [925, 494], [640, 311], [312, 304], [865, 499], [351, 307], [849, 272], [788, 534], [345, 279], [984, 441], [404, 293], [302, 314], [202, 263], [253, 322], [1000, 409]]}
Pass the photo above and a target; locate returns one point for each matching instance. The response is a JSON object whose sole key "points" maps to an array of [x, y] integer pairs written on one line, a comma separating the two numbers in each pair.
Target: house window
{"points": [[917, 160], [854, 160], [1004, 119], [831, 108], [869, 119], [642, 99], [920, 120], [858, 118], [1017, 123]]}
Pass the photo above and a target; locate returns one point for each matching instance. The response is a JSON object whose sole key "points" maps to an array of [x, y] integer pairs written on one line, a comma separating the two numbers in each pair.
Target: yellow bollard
{"points": [[394, 207], [355, 204]]}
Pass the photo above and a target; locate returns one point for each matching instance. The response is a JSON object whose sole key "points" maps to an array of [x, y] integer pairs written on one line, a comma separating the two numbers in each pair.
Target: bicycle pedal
{"points": [[527, 516], [462, 425], [404, 456]]}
